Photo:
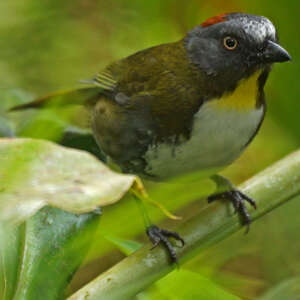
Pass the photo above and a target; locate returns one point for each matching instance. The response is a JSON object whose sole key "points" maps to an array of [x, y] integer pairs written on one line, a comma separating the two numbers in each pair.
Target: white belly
{"points": [[218, 137]]}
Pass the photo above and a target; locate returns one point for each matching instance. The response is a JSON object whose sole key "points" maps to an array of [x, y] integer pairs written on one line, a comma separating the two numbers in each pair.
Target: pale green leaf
{"points": [[35, 173]]}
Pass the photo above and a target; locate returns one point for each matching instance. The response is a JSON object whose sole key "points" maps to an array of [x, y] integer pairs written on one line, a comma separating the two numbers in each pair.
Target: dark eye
{"points": [[230, 43]]}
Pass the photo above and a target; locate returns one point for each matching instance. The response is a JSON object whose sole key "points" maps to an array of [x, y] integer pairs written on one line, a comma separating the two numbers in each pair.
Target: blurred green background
{"points": [[52, 44]]}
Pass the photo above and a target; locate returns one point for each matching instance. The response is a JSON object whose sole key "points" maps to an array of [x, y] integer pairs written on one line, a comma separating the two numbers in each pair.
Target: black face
{"points": [[235, 47]]}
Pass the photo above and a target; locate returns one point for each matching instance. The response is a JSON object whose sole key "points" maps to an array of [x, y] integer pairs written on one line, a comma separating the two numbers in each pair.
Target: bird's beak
{"points": [[275, 53]]}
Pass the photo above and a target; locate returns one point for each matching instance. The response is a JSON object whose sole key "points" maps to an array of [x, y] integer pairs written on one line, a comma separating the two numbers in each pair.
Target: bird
{"points": [[193, 105]]}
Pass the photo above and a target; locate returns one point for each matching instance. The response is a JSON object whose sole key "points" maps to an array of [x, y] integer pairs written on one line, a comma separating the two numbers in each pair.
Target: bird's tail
{"points": [[81, 96]]}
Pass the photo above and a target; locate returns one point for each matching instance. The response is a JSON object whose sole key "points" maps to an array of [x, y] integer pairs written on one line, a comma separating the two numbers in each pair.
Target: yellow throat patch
{"points": [[244, 97]]}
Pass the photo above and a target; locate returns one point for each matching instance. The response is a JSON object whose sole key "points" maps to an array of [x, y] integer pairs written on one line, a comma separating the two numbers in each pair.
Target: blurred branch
{"points": [[271, 188]]}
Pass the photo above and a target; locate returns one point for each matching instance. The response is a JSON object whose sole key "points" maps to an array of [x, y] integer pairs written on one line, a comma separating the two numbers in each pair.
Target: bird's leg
{"points": [[158, 235], [226, 190]]}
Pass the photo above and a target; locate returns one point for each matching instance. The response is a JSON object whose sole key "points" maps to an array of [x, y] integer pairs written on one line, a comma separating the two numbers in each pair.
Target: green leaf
{"points": [[288, 290], [36, 173], [195, 287], [6, 128], [126, 246], [39, 257], [10, 260], [13, 97]]}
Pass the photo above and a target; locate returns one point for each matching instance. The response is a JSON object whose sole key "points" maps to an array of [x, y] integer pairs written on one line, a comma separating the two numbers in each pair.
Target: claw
{"points": [[157, 235], [238, 199]]}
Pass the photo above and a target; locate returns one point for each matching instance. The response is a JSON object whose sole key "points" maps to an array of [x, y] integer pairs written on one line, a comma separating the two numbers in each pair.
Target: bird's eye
{"points": [[230, 43]]}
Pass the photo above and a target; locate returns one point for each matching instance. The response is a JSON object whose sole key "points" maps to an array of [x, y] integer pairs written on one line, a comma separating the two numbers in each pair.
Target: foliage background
{"points": [[52, 44]]}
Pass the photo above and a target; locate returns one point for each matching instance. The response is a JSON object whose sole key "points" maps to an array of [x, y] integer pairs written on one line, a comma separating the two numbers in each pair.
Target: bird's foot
{"points": [[158, 235], [238, 200]]}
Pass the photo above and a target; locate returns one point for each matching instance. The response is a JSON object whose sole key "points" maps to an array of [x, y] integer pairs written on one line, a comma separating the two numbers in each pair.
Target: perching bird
{"points": [[190, 105]]}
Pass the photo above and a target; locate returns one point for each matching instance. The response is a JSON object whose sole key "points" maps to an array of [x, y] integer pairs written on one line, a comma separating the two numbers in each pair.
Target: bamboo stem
{"points": [[271, 188]]}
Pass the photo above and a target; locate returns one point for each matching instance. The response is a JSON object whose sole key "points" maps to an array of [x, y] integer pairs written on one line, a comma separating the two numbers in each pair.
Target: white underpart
{"points": [[218, 137], [259, 30]]}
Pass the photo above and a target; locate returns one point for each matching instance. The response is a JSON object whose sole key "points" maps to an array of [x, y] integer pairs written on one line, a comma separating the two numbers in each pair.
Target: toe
{"points": [[238, 200], [157, 236], [170, 248], [174, 235], [248, 199], [215, 197]]}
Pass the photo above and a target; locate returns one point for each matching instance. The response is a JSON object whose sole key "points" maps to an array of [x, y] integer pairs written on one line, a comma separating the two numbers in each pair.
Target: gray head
{"points": [[234, 45], [257, 28]]}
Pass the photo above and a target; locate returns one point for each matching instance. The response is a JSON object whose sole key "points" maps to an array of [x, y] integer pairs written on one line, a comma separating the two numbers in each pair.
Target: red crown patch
{"points": [[214, 20]]}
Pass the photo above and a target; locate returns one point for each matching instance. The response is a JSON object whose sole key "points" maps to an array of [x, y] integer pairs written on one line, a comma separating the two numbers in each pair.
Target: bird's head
{"points": [[233, 46]]}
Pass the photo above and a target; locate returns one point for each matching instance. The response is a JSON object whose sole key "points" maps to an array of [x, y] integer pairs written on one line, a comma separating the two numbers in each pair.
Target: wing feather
{"points": [[103, 79]]}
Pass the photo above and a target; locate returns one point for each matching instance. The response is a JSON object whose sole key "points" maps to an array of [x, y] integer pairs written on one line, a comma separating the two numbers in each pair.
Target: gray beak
{"points": [[275, 53]]}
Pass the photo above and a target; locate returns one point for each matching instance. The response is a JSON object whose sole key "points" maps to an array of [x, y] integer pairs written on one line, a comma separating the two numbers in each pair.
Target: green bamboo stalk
{"points": [[271, 188]]}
